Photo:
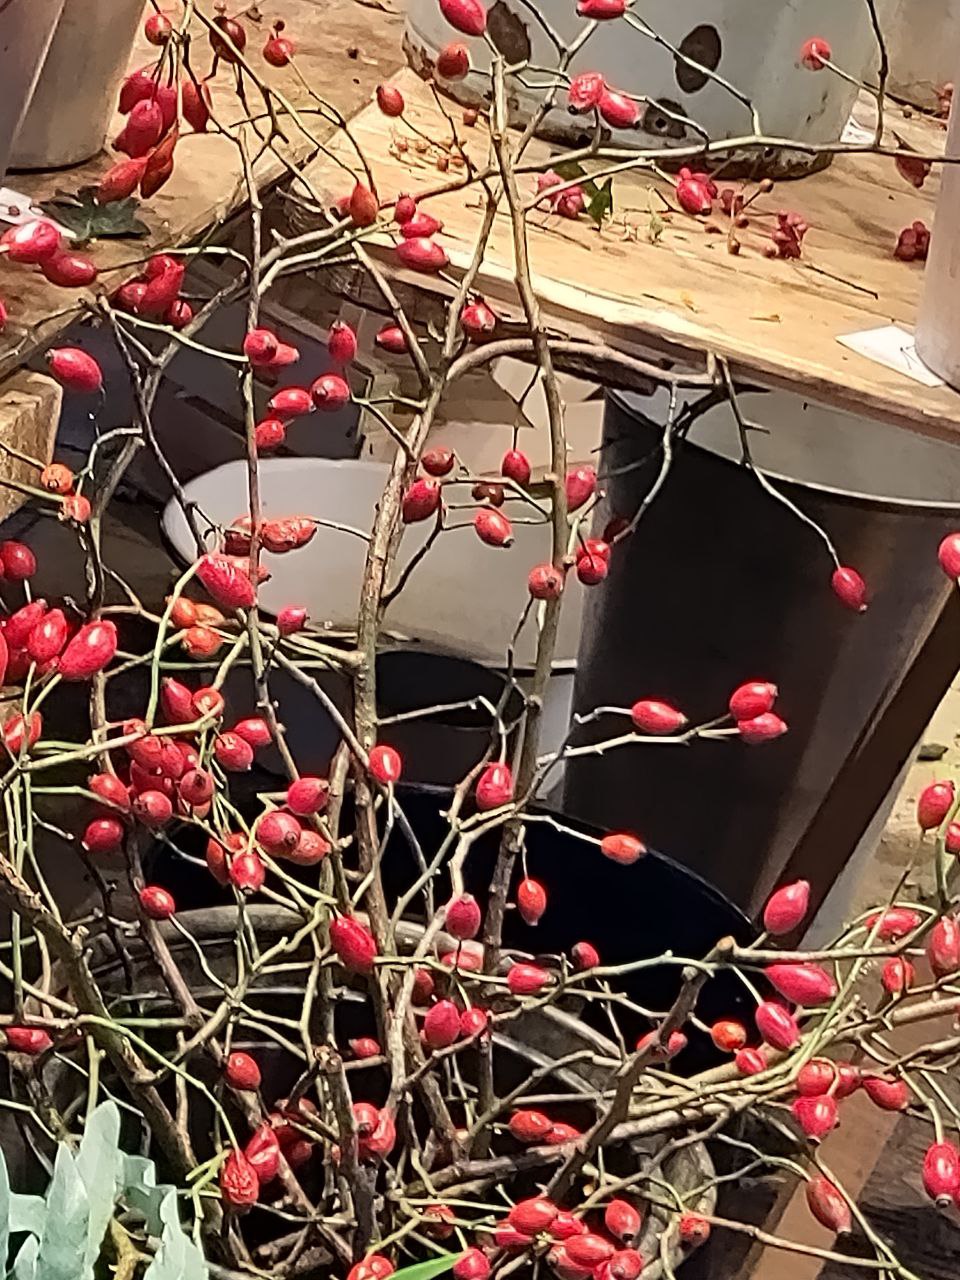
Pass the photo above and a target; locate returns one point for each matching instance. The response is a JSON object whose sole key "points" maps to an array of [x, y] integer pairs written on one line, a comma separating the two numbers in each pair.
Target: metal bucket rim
{"points": [[853, 496]]}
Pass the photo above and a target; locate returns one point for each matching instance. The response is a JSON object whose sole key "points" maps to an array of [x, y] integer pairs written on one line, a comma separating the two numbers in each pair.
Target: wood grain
{"points": [[777, 321], [29, 412], [344, 49]]}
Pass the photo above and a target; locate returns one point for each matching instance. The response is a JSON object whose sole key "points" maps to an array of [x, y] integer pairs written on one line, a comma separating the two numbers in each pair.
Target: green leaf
{"points": [[138, 1186], [4, 1214], [27, 1214], [178, 1258], [25, 1267], [427, 1270], [570, 170], [98, 1164], [80, 213], [601, 203], [64, 1239]]}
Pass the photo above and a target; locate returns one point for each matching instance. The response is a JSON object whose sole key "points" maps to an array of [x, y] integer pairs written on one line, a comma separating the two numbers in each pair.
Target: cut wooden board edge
{"points": [[29, 417]]}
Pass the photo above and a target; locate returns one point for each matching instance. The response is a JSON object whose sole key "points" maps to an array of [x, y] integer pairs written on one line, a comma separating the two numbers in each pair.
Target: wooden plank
{"points": [[777, 321], [344, 49], [29, 413]]}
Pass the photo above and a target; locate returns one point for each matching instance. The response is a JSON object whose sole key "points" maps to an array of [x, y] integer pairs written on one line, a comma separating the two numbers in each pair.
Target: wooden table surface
{"points": [[777, 321], [345, 47]]}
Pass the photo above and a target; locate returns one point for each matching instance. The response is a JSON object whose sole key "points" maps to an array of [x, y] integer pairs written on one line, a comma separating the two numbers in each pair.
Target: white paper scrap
{"points": [[893, 347], [15, 208]]}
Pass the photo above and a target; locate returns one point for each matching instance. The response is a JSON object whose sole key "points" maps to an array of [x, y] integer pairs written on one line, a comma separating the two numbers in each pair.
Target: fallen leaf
{"points": [[80, 213]]}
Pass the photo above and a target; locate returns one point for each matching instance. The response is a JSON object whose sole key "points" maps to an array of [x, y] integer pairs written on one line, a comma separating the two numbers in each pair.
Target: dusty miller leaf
{"points": [[25, 1267], [138, 1186], [27, 1214], [80, 213], [98, 1164], [4, 1215], [178, 1258], [64, 1239]]}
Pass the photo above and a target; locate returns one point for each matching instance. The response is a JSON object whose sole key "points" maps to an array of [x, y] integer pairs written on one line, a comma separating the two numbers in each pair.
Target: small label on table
{"points": [[16, 208], [893, 347]]}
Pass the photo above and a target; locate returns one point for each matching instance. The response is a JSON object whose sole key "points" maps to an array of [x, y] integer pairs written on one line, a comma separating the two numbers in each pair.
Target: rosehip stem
{"points": [[747, 461]]}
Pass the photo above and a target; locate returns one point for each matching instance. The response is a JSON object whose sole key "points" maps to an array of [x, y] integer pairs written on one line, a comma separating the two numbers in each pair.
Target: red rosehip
{"points": [[934, 803], [897, 975], [439, 461], [580, 485], [755, 698], [545, 582], [29, 1040], [656, 718], [887, 1093], [253, 730], [354, 944], [941, 1172], [365, 1047], [233, 753], [808, 984], [157, 902], [693, 1229], [493, 527], [103, 835], [948, 554], [943, 946], [385, 764], [816, 1116], [815, 53], [529, 1126], [420, 501], [306, 796], [291, 619], [778, 1027], [330, 392], [278, 51], [828, 1206], [531, 900], [787, 907], [494, 787], [621, 1219], [241, 1071], [239, 1184], [526, 979], [462, 917], [750, 1062], [109, 788], [247, 872], [584, 955], [474, 1021], [453, 63], [617, 109], [16, 559], [621, 847], [75, 370], [728, 1036], [472, 1265], [762, 728], [441, 1026], [849, 588], [515, 466]]}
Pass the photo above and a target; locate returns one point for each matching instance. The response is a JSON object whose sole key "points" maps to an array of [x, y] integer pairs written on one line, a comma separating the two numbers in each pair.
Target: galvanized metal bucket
{"points": [[721, 584], [755, 49]]}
